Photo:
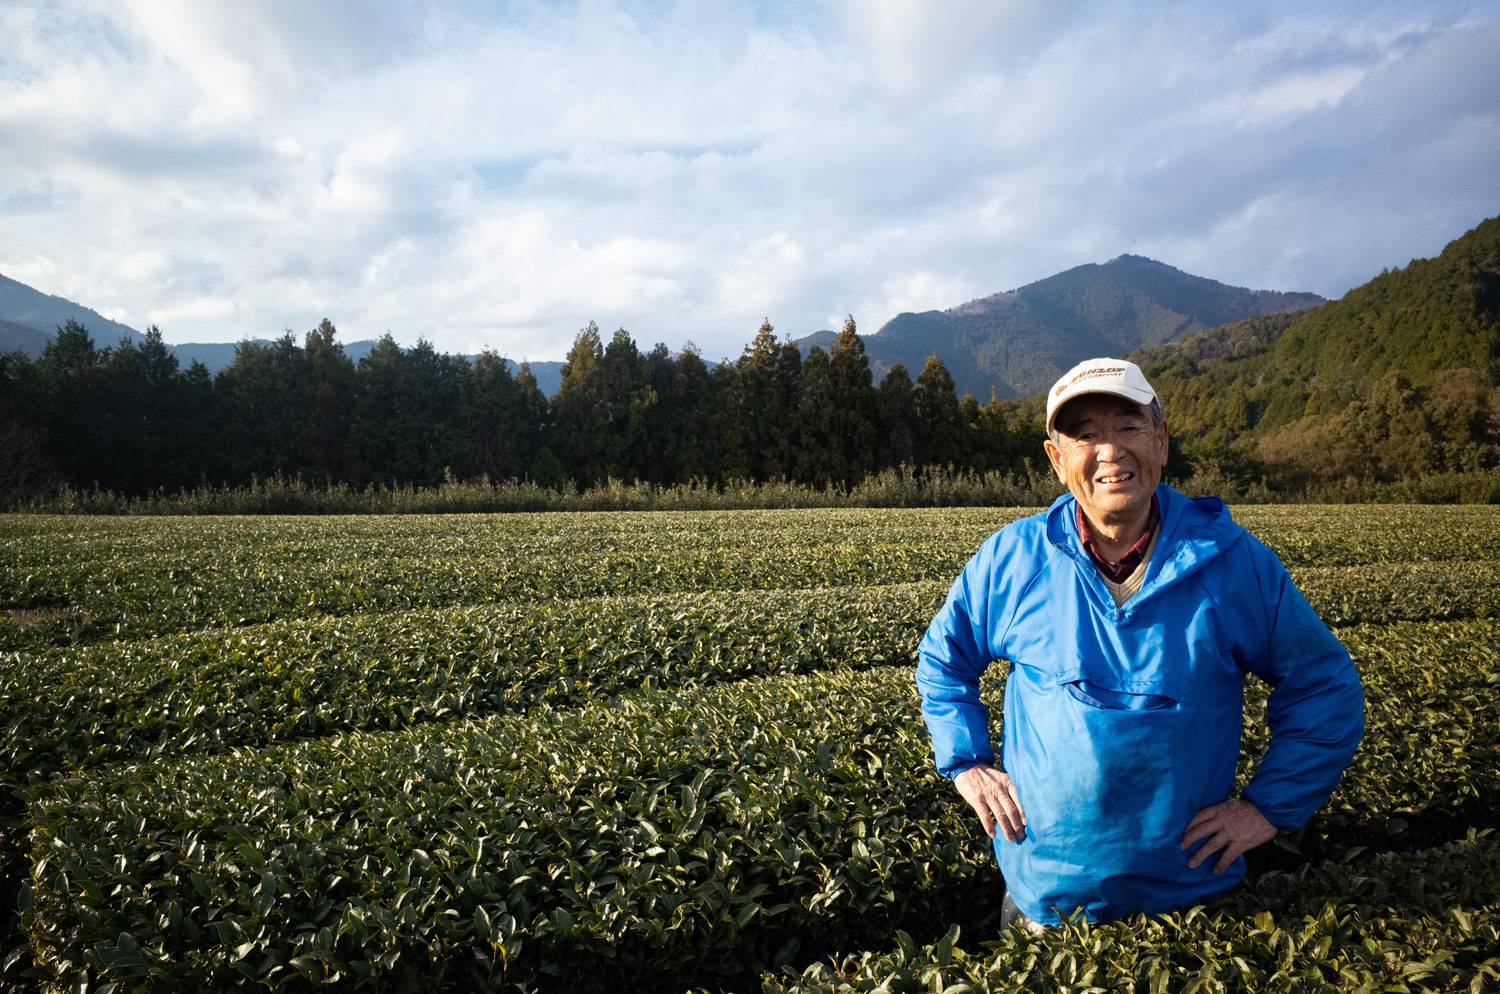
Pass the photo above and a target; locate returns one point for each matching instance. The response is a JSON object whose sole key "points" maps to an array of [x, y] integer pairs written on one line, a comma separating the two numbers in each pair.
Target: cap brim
{"points": [[1142, 397]]}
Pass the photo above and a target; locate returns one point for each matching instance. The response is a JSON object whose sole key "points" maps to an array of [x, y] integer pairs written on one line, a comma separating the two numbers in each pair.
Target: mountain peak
{"points": [[1141, 262], [981, 304], [1019, 341]]}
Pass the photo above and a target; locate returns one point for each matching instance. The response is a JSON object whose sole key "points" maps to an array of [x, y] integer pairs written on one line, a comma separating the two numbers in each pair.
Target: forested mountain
{"points": [[25, 311], [1020, 341], [19, 338], [29, 319], [1396, 379]]}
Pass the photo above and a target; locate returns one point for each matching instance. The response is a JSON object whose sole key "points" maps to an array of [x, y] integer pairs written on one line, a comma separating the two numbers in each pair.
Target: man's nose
{"points": [[1108, 448]]}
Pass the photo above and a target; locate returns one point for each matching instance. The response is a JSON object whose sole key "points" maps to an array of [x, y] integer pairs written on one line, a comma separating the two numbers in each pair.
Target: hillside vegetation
{"points": [[1395, 380]]}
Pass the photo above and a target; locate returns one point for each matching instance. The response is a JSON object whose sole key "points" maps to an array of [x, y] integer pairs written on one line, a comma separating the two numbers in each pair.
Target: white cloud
{"points": [[914, 47], [683, 171], [1293, 95]]}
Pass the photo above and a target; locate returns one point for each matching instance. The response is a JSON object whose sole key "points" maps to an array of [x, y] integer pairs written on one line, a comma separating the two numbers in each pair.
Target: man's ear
{"points": [[1054, 456]]}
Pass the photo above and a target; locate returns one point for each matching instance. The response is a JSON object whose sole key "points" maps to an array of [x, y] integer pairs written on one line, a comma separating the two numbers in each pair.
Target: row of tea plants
{"points": [[656, 751]]}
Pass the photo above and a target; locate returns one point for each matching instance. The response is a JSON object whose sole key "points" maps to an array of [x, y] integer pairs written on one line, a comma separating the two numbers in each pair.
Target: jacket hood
{"points": [[1194, 531]]}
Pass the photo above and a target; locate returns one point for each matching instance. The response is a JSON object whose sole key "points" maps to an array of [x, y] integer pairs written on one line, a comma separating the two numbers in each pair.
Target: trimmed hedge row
{"points": [[87, 561], [207, 691], [1304, 535], [658, 838], [69, 579], [318, 537], [1431, 751], [1427, 921], [1358, 535], [1418, 591], [153, 597], [663, 838]]}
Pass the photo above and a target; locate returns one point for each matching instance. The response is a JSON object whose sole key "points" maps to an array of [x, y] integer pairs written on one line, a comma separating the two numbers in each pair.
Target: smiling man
{"points": [[1130, 616]]}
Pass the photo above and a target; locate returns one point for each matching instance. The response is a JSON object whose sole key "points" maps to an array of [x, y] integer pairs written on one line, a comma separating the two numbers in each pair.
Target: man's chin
{"points": [[1117, 504]]}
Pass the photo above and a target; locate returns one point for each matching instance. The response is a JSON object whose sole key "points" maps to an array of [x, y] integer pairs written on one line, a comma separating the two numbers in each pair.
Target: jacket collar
{"points": [[1194, 531]]}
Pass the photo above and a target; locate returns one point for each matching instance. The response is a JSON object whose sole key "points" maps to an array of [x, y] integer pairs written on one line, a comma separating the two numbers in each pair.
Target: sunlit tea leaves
{"points": [[661, 752]]}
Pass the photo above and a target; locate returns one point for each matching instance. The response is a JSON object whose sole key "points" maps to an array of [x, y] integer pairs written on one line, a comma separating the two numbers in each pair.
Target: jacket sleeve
{"points": [[1316, 710], [953, 654]]}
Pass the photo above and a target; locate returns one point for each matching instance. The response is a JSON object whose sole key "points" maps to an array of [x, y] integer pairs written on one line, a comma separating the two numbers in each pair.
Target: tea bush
{"points": [[631, 841], [1397, 922], [86, 579], [658, 751]]}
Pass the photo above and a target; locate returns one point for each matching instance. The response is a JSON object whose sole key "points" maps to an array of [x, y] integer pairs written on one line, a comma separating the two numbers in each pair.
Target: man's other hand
{"points": [[993, 797], [1235, 826]]}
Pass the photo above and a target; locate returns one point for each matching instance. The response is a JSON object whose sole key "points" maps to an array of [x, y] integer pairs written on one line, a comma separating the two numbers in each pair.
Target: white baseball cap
{"points": [[1111, 376]]}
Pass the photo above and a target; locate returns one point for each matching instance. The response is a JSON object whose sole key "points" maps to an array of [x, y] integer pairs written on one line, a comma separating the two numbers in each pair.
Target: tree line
{"points": [[127, 418]]}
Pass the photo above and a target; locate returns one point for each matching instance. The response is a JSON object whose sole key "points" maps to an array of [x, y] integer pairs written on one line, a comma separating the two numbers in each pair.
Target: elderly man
{"points": [[1130, 615]]}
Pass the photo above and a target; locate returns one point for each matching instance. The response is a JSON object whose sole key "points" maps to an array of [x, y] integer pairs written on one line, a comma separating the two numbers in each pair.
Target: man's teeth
{"points": [[1117, 479]]}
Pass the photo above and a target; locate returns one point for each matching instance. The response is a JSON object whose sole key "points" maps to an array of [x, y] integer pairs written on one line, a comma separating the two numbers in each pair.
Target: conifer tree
{"points": [[628, 400], [144, 423], [816, 422], [757, 404], [898, 416], [429, 440], [994, 448], [970, 430], [661, 376], [326, 441], [852, 455], [266, 407], [27, 469], [692, 450], [939, 430], [491, 420], [724, 429], [72, 420], [781, 461], [376, 405], [198, 410], [581, 409]]}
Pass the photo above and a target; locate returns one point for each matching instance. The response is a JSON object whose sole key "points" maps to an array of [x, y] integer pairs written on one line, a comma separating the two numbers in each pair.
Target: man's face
{"points": [[1109, 455]]}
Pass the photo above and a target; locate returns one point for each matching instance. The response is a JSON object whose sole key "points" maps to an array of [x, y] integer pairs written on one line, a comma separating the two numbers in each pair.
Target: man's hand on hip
{"points": [[1235, 826], [993, 797]]}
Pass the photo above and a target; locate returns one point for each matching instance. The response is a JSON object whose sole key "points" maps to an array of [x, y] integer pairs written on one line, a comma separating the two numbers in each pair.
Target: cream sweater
{"points": [[1127, 588]]}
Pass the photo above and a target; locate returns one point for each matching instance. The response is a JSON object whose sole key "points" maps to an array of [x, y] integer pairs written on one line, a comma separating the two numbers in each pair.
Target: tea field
{"points": [[659, 752]]}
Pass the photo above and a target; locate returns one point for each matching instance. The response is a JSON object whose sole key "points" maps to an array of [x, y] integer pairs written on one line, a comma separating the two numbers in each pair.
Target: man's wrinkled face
{"points": [[1109, 454]]}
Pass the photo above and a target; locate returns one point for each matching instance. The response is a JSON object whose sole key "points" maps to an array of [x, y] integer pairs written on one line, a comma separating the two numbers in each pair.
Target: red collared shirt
{"points": [[1117, 572]]}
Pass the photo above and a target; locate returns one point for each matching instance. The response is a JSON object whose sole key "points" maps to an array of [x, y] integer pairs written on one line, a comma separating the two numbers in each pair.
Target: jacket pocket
{"points": [[1107, 692]]}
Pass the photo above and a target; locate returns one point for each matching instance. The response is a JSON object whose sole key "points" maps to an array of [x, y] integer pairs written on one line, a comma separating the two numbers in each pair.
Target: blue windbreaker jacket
{"points": [[1122, 723]]}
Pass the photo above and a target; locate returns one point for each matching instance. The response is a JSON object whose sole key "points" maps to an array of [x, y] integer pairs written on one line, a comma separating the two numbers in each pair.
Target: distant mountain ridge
{"points": [[19, 338], [23, 308], [1019, 341], [29, 318], [1016, 342]]}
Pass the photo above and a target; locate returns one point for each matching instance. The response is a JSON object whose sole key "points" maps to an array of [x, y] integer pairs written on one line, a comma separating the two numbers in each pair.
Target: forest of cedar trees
{"points": [[1393, 383]]}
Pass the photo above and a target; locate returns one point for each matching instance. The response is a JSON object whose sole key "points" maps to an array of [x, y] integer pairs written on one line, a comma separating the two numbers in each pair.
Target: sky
{"points": [[496, 175]]}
